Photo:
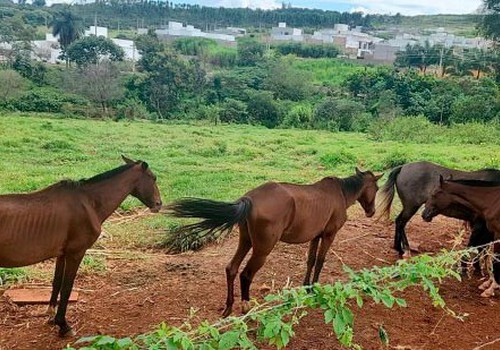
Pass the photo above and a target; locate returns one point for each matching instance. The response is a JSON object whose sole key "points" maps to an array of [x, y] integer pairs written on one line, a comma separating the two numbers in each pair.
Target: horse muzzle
{"points": [[156, 208], [428, 215]]}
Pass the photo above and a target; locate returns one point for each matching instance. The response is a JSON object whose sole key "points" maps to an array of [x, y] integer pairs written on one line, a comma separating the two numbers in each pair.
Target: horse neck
{"points": [[352, 188], [469, 197], [107, 194]]}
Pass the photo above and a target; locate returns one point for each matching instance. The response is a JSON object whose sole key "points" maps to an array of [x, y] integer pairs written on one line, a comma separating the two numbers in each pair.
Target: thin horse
{"points": [[481, 198], [414, 183], [276, 212], [64, 220]]}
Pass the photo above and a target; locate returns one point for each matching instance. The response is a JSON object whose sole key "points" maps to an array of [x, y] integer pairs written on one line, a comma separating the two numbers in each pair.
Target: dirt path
{"points": [[135, 295]]}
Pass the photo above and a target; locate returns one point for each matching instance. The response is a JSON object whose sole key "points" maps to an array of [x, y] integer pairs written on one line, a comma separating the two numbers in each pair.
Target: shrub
{"points": [[334, 114], [332, 160], [46, 100], [233, 111], [299, 116], [263, 109], [412, 129]]}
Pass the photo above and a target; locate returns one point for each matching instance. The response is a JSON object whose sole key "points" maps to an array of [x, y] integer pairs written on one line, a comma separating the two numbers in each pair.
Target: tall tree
{"points": [[91, 49], [69, 27], [490, 26]]}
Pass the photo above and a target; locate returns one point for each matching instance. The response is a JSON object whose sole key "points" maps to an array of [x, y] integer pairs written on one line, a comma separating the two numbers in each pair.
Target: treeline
{"points": [[130, 14], [183, 81]]}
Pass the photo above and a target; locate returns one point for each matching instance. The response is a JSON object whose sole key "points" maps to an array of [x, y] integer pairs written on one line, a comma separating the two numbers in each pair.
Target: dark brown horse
{"points": [[284, 212], [414, 183], [64, 220], [481, 198]]}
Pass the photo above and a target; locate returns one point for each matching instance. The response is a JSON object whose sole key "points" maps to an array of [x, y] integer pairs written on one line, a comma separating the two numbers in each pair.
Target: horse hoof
{"points": [[488, 293], [406, 256], [67, 333], [51, 311], [227, 312], [245, 306], [485, 285]]}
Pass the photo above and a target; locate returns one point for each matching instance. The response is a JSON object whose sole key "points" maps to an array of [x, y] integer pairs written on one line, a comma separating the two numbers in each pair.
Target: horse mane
{"points": [[92, 180], [476, 183], [351, 184]]}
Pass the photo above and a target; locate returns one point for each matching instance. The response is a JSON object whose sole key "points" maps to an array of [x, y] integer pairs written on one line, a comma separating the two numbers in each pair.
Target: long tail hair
{"points": [[218, 221], [387, 192]]}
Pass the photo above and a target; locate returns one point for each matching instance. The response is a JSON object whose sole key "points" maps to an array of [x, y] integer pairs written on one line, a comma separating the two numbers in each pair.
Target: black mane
{"points": [[351, 184], [99, 177]]}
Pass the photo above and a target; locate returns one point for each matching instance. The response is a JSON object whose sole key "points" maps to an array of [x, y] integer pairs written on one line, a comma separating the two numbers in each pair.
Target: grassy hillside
{"points": [[192, 160]]}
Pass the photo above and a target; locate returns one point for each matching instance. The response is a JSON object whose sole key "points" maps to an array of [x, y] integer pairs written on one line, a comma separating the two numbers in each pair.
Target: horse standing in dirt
{"points": [[480, 197], [64, 220], [414, 183], [276, 212]]}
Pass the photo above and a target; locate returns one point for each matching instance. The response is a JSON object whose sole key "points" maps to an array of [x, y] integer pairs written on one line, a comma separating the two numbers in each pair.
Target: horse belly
{"points": [[29, 241]]}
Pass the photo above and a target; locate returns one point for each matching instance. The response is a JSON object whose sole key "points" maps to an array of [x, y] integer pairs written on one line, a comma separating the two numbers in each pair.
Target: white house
{"points": [[97, 31], [284, 33], [177, 30]]}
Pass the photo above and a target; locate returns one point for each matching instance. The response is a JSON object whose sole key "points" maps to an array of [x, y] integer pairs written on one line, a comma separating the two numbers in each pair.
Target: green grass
{"points": [[11, 276], [219, 162], [328, 71]]}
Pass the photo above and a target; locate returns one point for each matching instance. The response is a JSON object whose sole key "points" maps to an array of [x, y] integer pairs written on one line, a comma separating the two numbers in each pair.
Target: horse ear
{"points": [[127, 160], [377, 177], [145, 165], [358, 172]]}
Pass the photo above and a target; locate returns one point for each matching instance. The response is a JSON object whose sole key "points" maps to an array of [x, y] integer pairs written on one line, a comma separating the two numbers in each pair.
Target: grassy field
{"points": [[220, 162]]}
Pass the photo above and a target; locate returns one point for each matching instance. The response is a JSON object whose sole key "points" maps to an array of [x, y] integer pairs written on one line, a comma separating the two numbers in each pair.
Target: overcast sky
{"points": [[405, 7]]}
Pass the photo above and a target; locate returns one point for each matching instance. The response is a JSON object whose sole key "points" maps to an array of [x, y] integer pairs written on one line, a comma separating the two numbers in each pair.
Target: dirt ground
{"points": [[135, 295]]}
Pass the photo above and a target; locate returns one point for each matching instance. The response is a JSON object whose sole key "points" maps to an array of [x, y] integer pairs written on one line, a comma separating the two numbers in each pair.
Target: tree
{"points": [[167, 81], [287, 82], [39, 3], [101, 84], [12, 85], [91, 49], [420, 56], [263, 109], [250, 52], [68, 26], [490, 21]]}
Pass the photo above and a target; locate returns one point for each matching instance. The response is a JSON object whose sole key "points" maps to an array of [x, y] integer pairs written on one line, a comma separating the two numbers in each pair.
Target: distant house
{"points": [[284, 33], [176, 30], [97, 31]]}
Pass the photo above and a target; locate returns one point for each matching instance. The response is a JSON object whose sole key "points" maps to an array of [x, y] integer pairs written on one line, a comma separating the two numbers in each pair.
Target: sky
{"points": [[405, 7]]}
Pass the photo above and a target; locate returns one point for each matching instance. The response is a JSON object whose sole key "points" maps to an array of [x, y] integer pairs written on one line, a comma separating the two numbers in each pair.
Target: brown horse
{"points": [[276, 212], [64, 220], [480, 197]]}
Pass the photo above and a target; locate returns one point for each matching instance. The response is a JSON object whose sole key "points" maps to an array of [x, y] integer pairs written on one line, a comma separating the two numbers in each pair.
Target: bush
{"points": [[299, 116], [332, 160], [336, 115], [263, 109], [131, 109], [47, 100], [404, 129], [233, 111]]}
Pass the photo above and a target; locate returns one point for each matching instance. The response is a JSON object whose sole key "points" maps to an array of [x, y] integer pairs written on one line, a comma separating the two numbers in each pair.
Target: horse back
{"points": [[299, 212]]}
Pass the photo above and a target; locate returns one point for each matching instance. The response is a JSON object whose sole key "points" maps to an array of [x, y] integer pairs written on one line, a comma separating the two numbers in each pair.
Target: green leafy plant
{"points": [[273, 321]]}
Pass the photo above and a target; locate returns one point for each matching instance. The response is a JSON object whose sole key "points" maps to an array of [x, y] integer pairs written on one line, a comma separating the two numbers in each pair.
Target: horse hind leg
{"points": [[56, 288], [254, 264], [244, 246], [311, 259], [401, 243], [72, 262]]}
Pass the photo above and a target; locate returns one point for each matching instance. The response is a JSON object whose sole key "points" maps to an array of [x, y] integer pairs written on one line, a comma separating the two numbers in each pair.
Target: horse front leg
{"points": [[326, 242], [56, 288], [72, 262], [311, 259]]}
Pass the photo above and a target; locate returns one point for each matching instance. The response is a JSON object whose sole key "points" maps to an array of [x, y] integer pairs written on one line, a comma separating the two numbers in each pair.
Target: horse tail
{"points": [[387, 193], [218, 219]]}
